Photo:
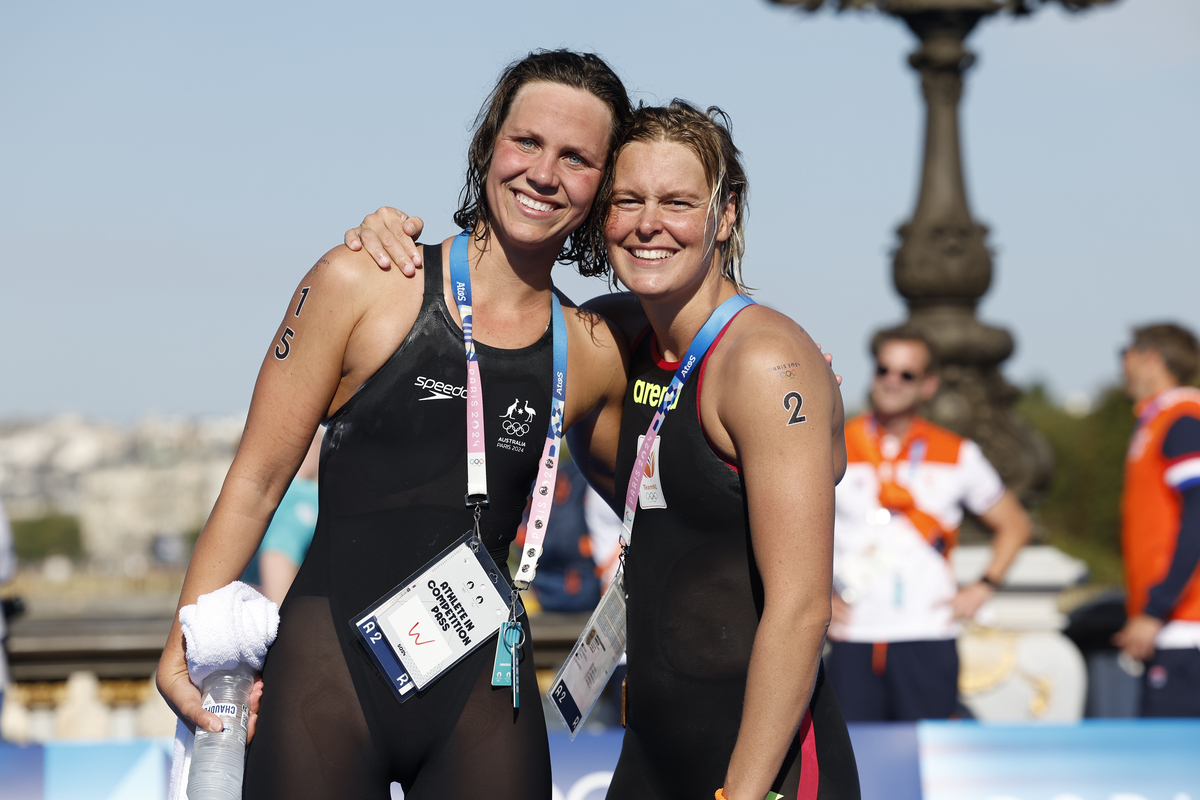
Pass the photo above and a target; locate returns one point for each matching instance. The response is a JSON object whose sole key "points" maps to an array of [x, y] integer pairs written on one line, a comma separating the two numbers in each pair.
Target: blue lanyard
{"points": [[708, 333], [543, 491]]}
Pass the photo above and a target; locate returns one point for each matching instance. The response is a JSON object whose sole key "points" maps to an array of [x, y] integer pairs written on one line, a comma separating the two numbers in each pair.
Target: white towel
{"points": [[233, 624]]}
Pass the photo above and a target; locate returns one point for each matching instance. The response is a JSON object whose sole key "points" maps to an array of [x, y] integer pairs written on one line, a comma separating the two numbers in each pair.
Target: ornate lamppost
{"points": [[943, 266]]}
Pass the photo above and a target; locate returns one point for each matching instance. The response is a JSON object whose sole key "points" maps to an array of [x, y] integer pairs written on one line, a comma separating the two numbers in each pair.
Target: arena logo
{"points": [[651, 394], [439, 390]]}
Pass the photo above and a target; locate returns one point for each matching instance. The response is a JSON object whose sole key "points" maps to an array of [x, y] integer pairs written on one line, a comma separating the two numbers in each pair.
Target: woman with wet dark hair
{"points": [[389, 363]]}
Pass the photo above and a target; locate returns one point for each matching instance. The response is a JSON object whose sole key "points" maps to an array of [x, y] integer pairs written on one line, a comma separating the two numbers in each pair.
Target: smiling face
{"points": [[662, 237], [547, 166]]}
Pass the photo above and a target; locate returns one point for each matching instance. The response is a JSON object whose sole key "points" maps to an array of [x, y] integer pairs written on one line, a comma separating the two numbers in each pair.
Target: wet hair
{"points": [[585, 71], [906, 333], [1177, 345], [708, 134]]}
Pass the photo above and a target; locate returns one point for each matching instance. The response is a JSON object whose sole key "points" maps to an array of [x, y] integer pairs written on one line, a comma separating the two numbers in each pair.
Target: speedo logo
{"points": [[651, 394], [438, 390]]}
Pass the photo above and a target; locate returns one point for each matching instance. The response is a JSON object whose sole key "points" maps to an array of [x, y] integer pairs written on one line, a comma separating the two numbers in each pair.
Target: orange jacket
{"points": [[938, 445], [1150, 507]]}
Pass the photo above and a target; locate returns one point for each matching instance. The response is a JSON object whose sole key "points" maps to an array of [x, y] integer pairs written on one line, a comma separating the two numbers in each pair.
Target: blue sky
{"points": [[169, 171]]}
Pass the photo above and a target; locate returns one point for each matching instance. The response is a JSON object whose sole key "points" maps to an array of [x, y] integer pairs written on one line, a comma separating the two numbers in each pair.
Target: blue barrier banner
{"points": [[886, 753], [21, 771], [582, 769], [138, 769], [888, 762], [1091, 760]]}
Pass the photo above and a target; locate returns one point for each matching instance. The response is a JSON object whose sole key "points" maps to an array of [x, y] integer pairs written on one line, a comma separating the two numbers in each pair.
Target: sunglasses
{"points": [[908, 377]]}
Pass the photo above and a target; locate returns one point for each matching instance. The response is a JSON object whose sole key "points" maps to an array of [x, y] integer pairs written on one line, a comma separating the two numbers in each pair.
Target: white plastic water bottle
{"points": [[218, 759]]}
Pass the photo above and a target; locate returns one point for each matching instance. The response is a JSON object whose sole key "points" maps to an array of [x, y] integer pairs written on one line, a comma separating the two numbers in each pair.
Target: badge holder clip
{"points": [[506, 670]]}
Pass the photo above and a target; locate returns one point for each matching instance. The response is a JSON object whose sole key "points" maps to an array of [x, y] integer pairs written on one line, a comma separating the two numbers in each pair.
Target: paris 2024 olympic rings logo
{"points": [[513, 428]]}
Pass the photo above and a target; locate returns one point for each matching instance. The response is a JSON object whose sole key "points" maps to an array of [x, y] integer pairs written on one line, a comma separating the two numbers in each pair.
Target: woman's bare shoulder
{"points": [[763, 344], [763, 329], [350, 283], [346, 270]]}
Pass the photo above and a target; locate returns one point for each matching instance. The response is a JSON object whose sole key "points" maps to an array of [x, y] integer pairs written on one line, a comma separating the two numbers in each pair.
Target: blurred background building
{"points": [[104, 517], [113, 496]]}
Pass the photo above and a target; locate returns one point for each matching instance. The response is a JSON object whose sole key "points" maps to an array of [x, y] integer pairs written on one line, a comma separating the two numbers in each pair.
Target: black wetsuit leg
{"points": [[493, 751], [312, 740]]}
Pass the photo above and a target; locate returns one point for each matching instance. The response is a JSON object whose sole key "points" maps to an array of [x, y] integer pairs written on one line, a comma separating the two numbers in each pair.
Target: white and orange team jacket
{"points": [[898, 585], [1151, 522]]}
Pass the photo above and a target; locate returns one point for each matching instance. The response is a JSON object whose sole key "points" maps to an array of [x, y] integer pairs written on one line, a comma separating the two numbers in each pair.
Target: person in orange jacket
{"points": [[1160, 510]]}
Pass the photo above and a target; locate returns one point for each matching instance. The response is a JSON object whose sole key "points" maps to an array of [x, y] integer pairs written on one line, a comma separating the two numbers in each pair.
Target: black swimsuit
{"points": [[695, 598], [393, 477]]}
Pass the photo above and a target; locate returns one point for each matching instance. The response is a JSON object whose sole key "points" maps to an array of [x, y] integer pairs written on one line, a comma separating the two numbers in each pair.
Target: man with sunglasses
{"points": [[896, 604], [1160, 510]]}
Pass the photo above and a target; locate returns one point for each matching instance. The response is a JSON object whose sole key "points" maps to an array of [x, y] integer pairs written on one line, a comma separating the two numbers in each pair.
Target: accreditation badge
{"points": [[651, 494], [599, 648], [433, 620]]}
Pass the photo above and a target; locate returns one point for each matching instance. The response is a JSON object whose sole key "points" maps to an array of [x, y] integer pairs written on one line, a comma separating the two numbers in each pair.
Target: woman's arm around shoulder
{"points": [[596, 374], [773, 401]]}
